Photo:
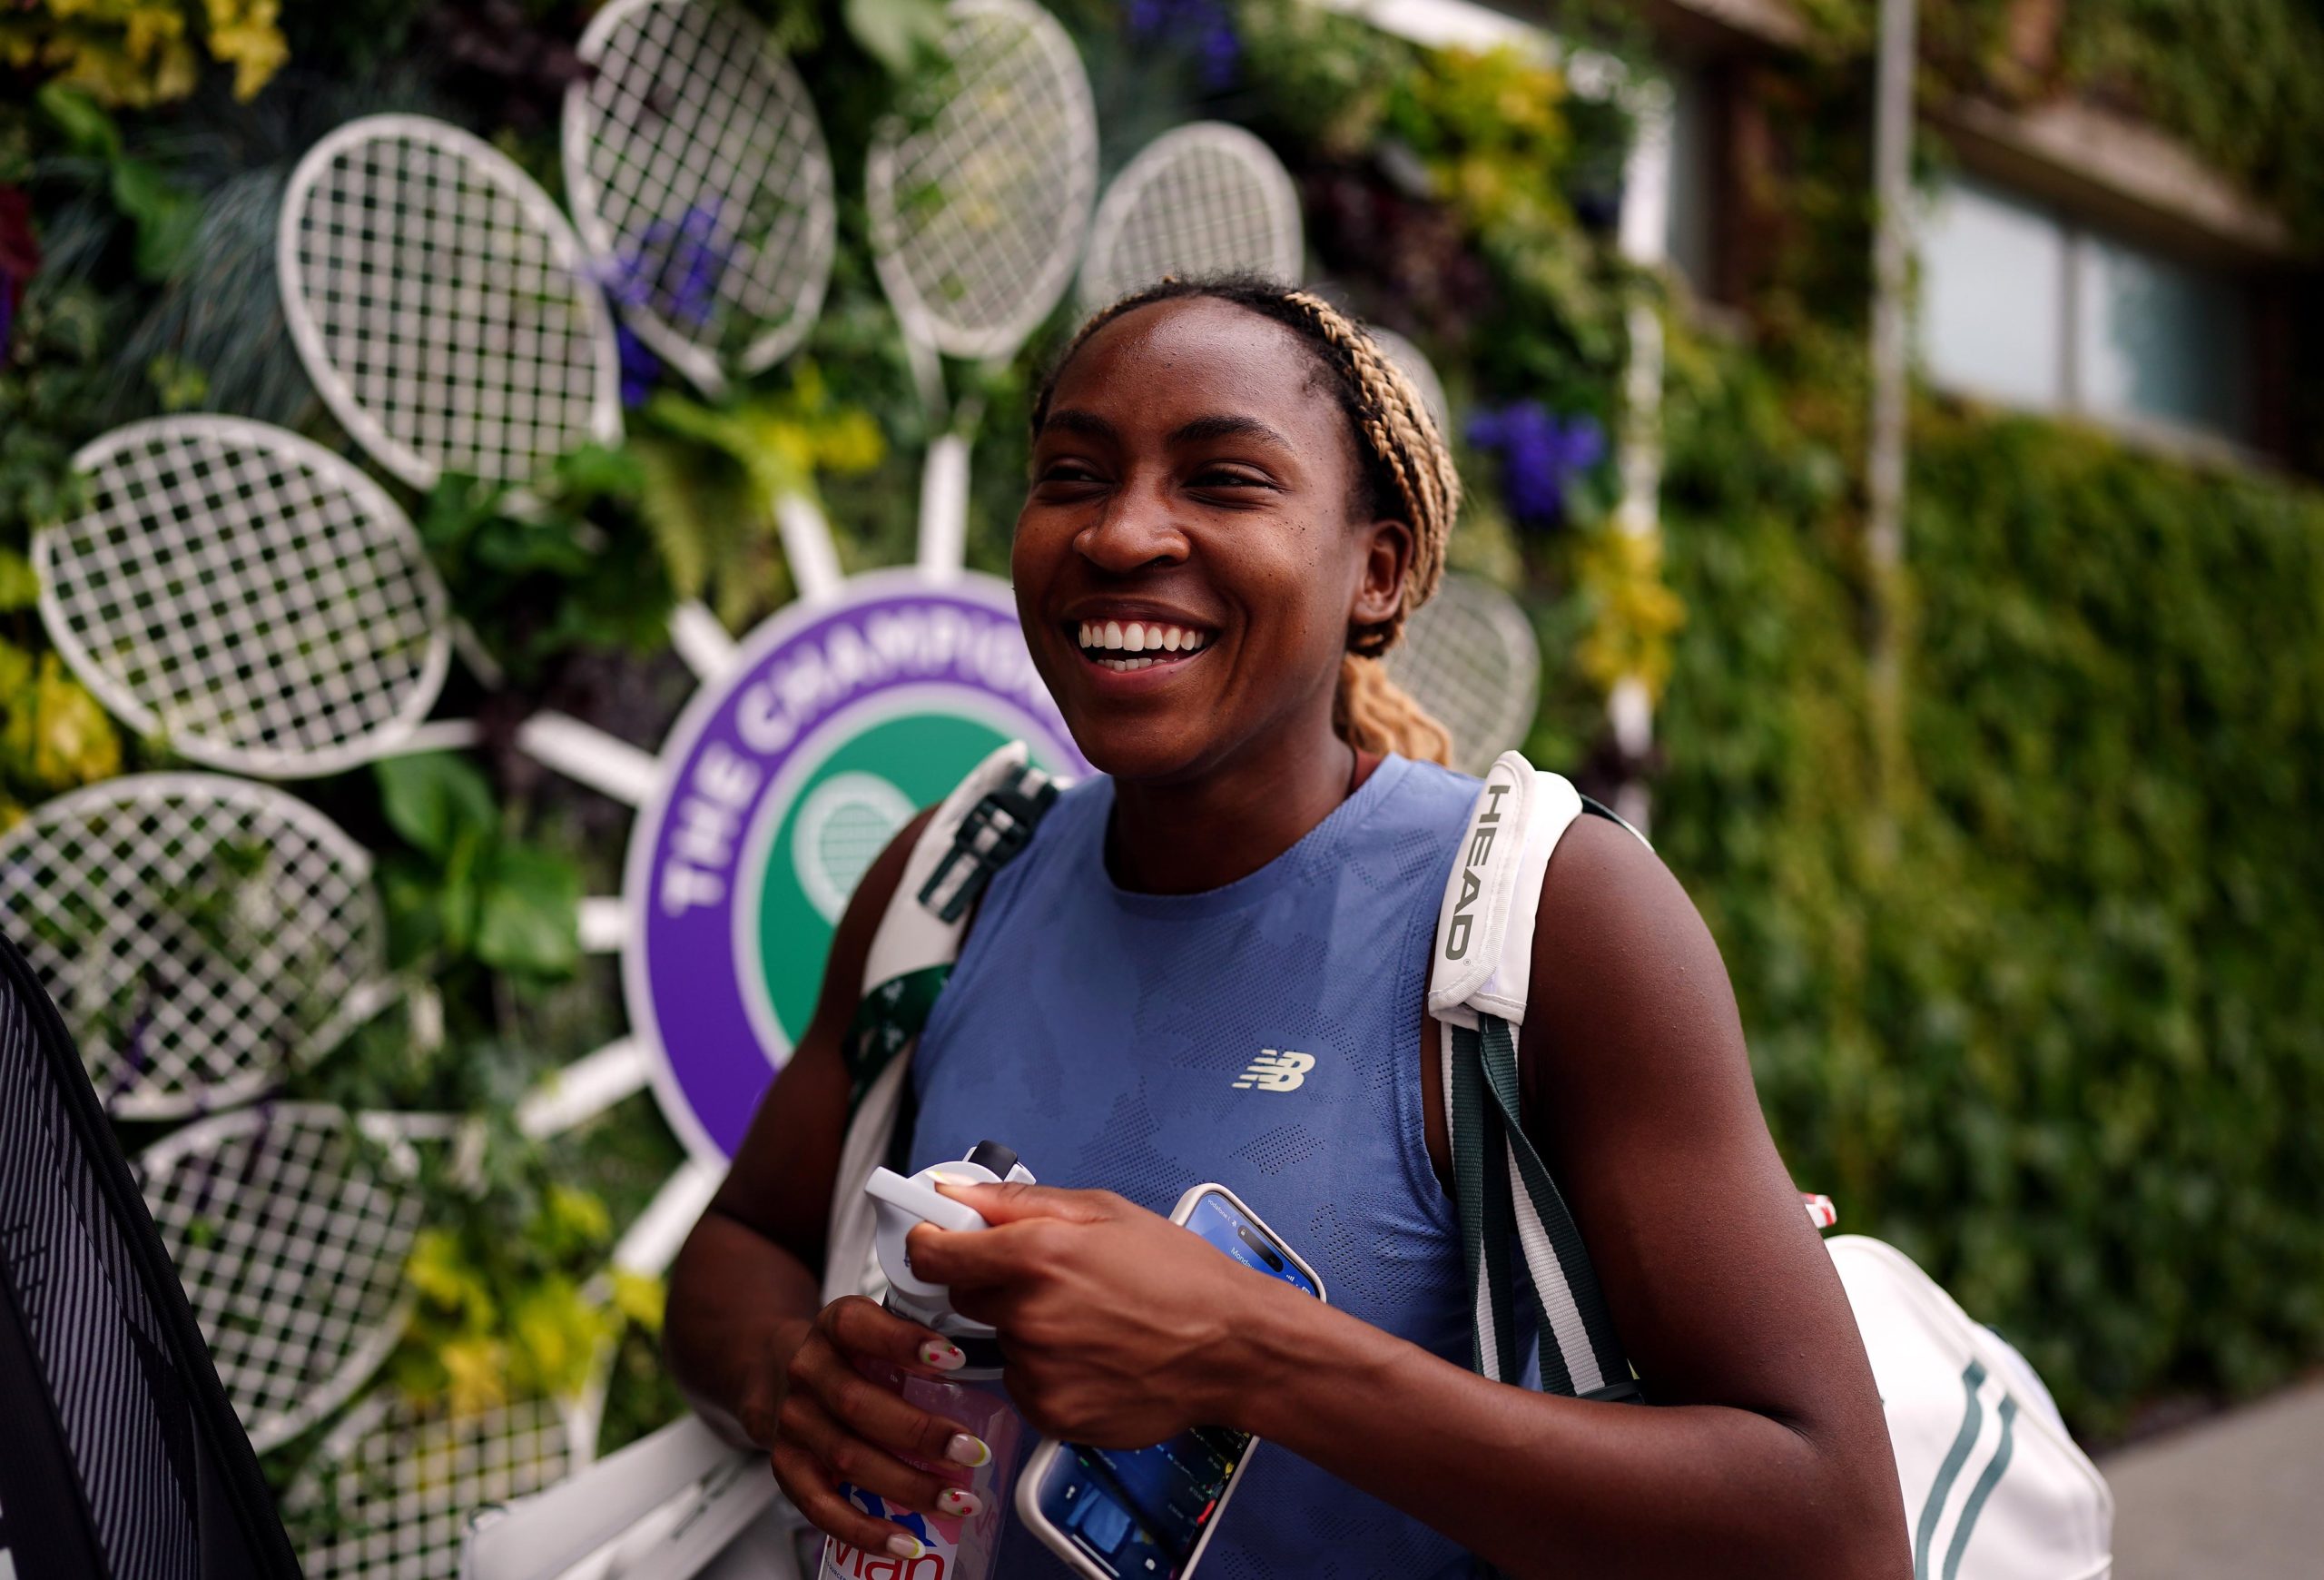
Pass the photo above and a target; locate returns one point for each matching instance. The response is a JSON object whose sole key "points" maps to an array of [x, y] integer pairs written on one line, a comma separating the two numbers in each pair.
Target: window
{"points": [[2019, 303], [1686, 224]]}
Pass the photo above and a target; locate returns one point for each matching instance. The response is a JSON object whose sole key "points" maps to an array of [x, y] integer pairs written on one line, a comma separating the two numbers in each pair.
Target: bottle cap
{"points": [[904, 1204]]}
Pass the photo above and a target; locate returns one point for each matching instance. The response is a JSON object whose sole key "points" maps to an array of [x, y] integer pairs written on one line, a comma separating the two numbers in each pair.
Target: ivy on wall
{"points": [[2041, 1013]]}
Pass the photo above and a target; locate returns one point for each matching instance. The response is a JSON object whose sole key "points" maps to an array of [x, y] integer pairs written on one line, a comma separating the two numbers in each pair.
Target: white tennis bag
{"points": [[1995, 1490]]}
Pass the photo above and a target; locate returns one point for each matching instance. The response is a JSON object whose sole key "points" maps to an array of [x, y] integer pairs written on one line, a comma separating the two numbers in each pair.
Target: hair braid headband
{"points": [[1402, 436]]}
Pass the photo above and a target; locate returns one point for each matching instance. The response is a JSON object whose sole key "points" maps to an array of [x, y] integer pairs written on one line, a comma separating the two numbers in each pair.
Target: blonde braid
{"points": [[1372, 712], [1393, 424]]}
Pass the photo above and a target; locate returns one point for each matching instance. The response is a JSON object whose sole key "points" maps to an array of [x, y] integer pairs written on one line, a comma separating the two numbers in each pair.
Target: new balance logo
{"points": [[1273, 1071]]}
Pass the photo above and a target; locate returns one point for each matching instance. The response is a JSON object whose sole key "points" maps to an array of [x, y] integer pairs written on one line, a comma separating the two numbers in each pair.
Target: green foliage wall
{"points": [[2042, 1006]]}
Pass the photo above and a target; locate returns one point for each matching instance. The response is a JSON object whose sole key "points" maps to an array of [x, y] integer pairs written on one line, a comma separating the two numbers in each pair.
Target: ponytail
{"points": [[1374, 714]]}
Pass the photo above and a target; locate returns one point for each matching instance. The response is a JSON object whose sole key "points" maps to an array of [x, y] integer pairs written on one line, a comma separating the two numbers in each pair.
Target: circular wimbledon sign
{"points": [[781, 784]]}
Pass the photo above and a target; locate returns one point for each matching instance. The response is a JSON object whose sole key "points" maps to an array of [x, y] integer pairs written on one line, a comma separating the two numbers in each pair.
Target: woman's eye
{"points": [[1231, 477], [1069, 471]]}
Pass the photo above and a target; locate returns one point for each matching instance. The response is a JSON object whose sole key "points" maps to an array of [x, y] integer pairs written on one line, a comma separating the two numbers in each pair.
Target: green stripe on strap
{"points": [[1972, 1419], [886, 1021], [1981, 1491]]}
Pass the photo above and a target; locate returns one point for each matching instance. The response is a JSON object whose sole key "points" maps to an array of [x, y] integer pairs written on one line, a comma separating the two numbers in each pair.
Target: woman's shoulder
{"points": [[1430, 791]]}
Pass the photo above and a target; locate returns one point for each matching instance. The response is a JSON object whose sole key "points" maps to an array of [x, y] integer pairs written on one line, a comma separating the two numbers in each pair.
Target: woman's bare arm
{"points": [[748, 1282], [1764, 1451]]}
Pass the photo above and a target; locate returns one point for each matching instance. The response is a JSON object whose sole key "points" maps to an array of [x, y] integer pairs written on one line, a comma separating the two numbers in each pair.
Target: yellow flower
{"points": [[244, 33], [477, 1374], [1634, 612]]}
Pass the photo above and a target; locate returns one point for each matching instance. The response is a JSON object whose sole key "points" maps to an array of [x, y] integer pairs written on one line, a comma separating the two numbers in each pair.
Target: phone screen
{"points": [[1140, 1512]]}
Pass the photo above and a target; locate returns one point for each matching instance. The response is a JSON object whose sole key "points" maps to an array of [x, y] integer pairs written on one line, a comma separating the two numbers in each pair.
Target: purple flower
{"points": [[675, 269], [1203, 28], [640, 368], [1541, 456], [19, 255]]}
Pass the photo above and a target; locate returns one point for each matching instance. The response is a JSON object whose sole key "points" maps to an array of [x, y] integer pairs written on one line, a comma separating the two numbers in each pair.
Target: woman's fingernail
{"points": [[966, 1450], [942, 1355], [952, 1500], [905, 1547]]}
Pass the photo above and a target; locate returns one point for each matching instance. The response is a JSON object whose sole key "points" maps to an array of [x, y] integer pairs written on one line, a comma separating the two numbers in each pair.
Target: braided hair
{"points": [[1405, 469]]}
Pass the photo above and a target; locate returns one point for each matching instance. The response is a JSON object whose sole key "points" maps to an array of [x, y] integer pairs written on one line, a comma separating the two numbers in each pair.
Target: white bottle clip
{"points": [[905, 1204]]}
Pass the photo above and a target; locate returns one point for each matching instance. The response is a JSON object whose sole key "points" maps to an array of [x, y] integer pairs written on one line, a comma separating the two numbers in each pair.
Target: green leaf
{"points": [[165, 216], [85, 123], [898, 34], [433, 798], [178, 385], [409, 889], [19, 586], [530, 918], [457, 903]]}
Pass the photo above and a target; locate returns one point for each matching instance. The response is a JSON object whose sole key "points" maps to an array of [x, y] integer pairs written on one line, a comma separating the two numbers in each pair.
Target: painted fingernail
{"points": [[904, 1547], [952, 1500], [966, 1450], [942, 1355]]}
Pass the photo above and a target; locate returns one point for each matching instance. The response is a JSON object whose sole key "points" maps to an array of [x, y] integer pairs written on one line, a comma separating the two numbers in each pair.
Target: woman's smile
{"points": [[1121, 642]]}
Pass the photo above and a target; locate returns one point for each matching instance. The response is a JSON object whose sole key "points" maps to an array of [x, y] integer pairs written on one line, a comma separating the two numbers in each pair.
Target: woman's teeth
{"points": [[1102, 639]]}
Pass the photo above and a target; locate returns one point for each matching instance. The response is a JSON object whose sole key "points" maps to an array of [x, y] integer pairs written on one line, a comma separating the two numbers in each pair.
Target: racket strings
{"points": [[197, 934], [982, 211], [234, 596], [445, 308], [1204, 205], [391, 1491], [703, 173], [290, 1243], [1470, 658]]}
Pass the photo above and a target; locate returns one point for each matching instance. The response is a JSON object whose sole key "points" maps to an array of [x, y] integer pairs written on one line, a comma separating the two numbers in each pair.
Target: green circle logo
{"points": [[848, 807]]}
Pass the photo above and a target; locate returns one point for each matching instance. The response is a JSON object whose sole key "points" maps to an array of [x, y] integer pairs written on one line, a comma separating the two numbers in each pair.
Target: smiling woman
{"points": [[1235, 502]]}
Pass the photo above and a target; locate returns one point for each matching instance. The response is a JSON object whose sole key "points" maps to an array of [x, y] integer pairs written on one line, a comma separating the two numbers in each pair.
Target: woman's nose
{"points": [[1139, 529]]}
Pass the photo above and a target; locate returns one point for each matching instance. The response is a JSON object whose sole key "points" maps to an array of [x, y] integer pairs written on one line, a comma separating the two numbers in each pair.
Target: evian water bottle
{"points": [[951, 1547]]}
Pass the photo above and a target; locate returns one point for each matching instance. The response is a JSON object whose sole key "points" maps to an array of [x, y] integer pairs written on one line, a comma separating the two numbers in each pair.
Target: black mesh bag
{"points": [[120, 1455]]}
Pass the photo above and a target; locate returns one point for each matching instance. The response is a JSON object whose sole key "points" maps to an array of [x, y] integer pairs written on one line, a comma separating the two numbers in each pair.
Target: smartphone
{"points": [[1146, 1514]]}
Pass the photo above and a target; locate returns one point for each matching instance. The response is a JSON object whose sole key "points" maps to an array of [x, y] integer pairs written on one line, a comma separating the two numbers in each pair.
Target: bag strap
{"points": [[1510, 1207], [1506, 1194], [980, 827]]}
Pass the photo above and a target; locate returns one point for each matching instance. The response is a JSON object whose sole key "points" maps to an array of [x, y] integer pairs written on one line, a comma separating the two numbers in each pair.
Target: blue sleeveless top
{"points": [[1110, 1038]]}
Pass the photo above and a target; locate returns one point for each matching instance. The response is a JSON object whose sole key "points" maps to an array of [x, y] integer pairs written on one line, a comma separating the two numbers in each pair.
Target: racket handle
{"points": [[944, 507], [807, 546]]}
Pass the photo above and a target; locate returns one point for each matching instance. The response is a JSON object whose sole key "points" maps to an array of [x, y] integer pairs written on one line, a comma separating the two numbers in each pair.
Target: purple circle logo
{"points": [[780, 783]]}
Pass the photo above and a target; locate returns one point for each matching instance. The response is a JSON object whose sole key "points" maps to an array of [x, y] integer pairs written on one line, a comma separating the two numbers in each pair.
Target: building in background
{"points": [[2071, 259]]}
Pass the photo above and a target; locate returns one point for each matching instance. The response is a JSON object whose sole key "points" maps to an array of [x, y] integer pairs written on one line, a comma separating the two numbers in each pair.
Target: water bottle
{"points": [[951, 1548]]}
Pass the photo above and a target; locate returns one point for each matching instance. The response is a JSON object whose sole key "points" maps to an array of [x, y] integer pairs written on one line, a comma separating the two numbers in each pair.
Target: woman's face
{"points": [[1187, 562]]}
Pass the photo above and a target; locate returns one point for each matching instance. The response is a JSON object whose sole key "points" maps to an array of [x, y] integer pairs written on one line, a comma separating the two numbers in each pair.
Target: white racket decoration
{"points": [[247, 594], [977, 214], [399, 1482], [289, 1226], [1470, 658], [199, 933], [441, 304], [1207, 198], [699, 176], [389, 1493], [695, 166]]}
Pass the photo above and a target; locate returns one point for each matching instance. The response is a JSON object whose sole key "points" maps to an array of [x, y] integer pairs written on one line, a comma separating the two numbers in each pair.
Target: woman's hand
{"points": [[823, 1422], [1120, 1328]]}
